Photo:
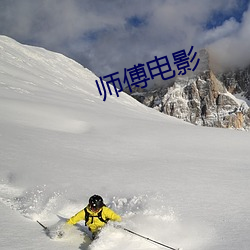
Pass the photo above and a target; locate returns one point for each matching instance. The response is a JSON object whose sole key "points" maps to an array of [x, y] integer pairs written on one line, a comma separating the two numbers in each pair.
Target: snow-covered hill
{"points": [[176, 183]]}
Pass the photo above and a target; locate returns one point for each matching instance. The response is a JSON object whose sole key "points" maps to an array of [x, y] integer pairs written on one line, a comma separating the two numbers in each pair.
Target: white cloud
{"points": [[229, 27], [234, 49], [97, 32]]}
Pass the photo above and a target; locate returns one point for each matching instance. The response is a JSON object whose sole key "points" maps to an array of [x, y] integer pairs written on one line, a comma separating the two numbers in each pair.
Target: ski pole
{"points": [[45, 228], [146, 238]]}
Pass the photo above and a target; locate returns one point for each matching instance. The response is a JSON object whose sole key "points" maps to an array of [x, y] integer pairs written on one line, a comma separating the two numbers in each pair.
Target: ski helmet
{"points": [[95, 202]]}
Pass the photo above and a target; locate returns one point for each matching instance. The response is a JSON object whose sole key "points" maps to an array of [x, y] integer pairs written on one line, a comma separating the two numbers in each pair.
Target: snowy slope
{"points": [[179, 184]]}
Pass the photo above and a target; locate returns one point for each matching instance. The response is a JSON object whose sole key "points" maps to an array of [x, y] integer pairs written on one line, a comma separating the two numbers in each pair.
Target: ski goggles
{"points": [[94, 208]]}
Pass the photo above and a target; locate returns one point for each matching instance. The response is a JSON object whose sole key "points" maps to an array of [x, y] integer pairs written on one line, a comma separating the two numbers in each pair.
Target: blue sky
{"points": [[109, 35], [218, 17]]}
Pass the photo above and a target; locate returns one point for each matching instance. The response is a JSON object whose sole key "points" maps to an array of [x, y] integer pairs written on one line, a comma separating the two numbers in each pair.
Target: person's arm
{"points": [[77, 217], [110, 214]]}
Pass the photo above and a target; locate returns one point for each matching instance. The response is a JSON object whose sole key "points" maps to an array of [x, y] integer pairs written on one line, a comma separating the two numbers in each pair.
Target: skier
{"points": [[95, 214]]}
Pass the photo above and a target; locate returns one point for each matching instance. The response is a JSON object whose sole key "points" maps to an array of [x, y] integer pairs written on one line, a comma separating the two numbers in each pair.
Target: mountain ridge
{"points": [[204, 97]]}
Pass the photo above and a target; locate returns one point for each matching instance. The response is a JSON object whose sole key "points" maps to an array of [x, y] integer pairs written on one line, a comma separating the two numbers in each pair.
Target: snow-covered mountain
{"points": [[237, 81], [182, 185], [204, 98]]}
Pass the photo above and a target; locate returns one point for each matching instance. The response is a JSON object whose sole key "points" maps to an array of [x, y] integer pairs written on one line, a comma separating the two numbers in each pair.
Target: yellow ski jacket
{"points": [[94, 223]]}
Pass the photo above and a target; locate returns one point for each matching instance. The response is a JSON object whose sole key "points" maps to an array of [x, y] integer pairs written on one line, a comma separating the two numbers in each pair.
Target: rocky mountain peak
{"points": [[203, 97]]}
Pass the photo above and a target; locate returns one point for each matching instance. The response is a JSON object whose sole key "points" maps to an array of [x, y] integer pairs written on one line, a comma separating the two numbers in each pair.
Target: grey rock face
{"points": [[202, 98], [237, 81]]}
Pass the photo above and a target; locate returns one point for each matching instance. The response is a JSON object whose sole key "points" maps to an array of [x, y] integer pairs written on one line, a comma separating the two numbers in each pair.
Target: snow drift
{"points": [[182, 185]]}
